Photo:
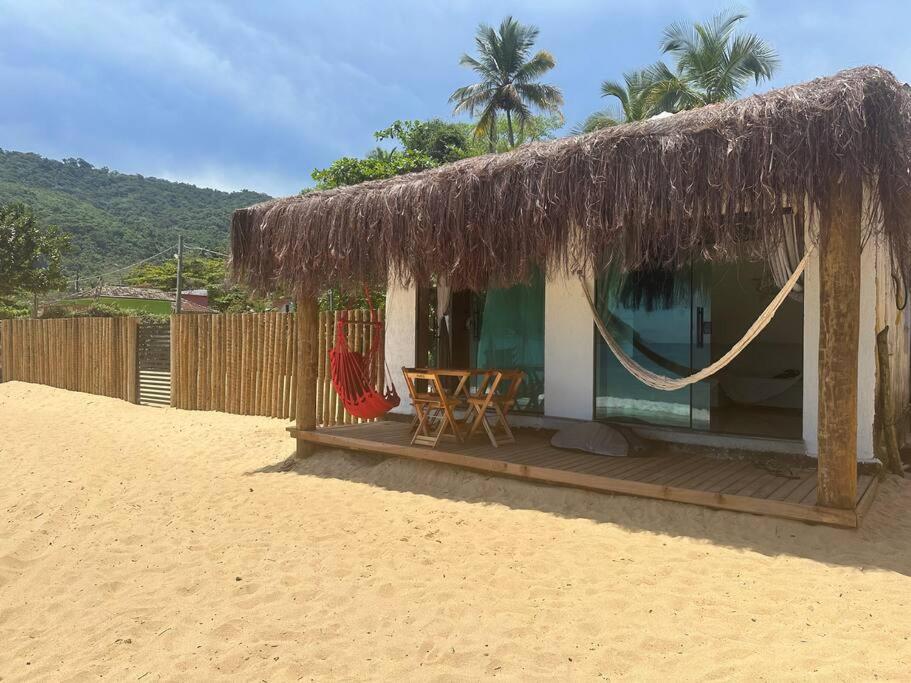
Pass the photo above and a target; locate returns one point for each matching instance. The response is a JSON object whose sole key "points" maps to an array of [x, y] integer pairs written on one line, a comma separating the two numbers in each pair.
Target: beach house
{"points": [[672, 238]]}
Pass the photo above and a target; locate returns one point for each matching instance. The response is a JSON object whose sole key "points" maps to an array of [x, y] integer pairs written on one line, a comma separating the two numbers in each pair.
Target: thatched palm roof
{"points": [[646, 193]]}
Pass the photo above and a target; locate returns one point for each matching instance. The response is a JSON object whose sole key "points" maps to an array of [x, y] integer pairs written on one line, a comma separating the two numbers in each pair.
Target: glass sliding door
{"points": [[498, 328], [677, 322], [508, 327], [651, 313]]}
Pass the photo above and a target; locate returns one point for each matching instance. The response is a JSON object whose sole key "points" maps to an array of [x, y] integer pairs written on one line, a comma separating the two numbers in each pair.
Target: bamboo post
{"points": [[328, 332], [287, 408], [381, 356], [268, 350], [4, 351], [307, 319], [359, 336], [250, 362], [133, 352], [244, 328], [322, 366], [292, 406], [278, 351], [214, 361], [202, 360], [230, 365], [222, 362], [192, 345], [172, 343], [4, 368], [839, 327], [178, 332], [183, 378], [334, 415]]}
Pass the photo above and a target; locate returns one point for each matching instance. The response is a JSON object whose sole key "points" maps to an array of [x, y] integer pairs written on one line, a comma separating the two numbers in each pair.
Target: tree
{"points": [[508, 75], [351, 170], [713, 64], [425, 144], [537, 128], [632, 96], [198, 273], [439, 140], [30, 254]]}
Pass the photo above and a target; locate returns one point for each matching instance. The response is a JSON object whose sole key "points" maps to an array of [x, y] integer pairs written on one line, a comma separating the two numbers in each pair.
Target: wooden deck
{"points": [[740, 485]]}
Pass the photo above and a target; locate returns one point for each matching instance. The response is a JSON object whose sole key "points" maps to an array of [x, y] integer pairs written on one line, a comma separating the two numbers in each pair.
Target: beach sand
{"points": [[142, 543]]}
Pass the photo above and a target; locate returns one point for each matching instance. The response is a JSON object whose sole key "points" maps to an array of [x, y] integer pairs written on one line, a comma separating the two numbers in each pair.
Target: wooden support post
{"points": [[307, 322], [839, 328]]}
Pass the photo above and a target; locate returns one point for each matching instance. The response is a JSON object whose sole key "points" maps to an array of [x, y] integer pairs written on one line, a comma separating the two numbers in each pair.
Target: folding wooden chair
{"points": [[434, 408], [496, 396]]}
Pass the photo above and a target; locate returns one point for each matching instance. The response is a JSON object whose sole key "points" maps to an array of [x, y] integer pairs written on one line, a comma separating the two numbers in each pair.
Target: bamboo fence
{"points": [[92, 355], [245, 363]]}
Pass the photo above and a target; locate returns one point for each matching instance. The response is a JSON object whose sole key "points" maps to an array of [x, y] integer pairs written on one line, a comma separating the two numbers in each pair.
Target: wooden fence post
{"points": [[839, 328], [307, 322]]}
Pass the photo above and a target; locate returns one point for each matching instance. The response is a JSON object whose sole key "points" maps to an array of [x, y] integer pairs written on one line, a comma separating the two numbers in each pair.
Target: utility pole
{"points": [[179, 273]]}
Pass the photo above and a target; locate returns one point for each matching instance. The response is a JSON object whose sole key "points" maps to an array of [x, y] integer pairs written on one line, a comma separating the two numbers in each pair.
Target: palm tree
{"points": [[633, 97], [713, 63], [381, 154], [508, 75]]}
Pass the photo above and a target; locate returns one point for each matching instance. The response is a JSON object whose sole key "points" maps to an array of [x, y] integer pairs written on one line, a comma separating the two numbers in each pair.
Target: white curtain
{"points": [[784, 260], [444, 322]]}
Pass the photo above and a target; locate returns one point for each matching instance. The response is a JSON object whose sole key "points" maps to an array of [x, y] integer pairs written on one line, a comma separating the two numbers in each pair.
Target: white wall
{"points": [[401, 309], [569, 350], [811, 353], [866, 355]]}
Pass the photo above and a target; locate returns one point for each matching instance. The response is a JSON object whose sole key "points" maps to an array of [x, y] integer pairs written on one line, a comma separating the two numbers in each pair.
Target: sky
{"points": [[255, 95]]}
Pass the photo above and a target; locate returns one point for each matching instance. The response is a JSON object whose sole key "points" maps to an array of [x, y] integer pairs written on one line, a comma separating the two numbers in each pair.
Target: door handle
{"points": [[700, 327]]}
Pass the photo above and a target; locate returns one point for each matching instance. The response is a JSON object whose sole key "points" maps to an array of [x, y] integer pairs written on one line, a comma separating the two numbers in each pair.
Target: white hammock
{"points": [[665, 383]]}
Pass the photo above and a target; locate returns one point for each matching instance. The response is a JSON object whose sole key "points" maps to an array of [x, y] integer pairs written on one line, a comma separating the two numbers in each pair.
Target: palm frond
{"points": [[470, 97], [537, 66], [597, 121], [546, 97]]}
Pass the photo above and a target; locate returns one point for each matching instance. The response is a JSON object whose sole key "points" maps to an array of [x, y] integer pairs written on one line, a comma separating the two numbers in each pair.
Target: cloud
{"points": [[238, 94]]}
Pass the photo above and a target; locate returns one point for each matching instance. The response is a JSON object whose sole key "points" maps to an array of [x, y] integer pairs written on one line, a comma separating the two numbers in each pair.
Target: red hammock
{"points": [[354, 376]]}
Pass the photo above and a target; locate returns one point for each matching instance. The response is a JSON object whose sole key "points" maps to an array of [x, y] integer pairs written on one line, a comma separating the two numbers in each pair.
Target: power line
{"points": [[91, 278], [211, 251]]}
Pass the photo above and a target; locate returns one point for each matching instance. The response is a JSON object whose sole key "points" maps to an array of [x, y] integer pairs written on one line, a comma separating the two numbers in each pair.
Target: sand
{"points": [[142, 543]]}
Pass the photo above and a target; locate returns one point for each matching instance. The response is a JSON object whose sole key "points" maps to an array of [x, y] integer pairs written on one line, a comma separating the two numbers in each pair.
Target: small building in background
{"points": [[142, 299], [199, 297]]}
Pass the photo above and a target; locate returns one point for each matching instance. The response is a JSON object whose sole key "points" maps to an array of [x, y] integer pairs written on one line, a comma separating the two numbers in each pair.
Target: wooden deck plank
{"points": [[741, 482], [673, 468], [698, 480], [719, 484], [628, 465], [718, 475], [607, 466], [786, 489], [703, 469], [651, 466], [768, 490], [604, 465], [750, 488], [806, 487]]}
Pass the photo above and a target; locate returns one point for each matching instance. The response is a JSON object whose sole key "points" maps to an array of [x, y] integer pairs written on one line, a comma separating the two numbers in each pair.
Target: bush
{"points": [[8, 311]]}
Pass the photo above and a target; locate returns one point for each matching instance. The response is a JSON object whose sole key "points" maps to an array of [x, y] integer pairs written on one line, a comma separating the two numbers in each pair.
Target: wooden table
{"points": [[441, 401]]}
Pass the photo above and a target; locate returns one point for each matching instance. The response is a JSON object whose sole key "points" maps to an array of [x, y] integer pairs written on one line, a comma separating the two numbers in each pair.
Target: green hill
{"points": [[113, 218]]}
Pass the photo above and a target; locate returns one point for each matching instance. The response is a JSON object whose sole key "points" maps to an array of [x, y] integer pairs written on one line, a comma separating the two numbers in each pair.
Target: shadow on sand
{"points": [[882, 542]]}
